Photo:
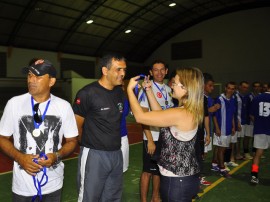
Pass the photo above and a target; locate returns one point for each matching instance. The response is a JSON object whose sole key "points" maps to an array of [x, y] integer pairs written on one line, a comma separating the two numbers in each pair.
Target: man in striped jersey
{"points": [[242, 115], [256, 89], [224, 125]]}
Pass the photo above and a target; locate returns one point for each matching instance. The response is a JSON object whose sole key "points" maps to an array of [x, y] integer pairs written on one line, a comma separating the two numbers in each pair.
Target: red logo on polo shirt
{"points": [[159, 95], [78, 101]]}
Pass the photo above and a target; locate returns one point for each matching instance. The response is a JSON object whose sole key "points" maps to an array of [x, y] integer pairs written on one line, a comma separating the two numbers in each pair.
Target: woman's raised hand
{"points": [[146, 84], [133, 82]]}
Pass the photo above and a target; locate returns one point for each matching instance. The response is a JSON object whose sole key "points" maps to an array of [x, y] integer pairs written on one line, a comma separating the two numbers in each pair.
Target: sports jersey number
{"points": [[264, 109]]}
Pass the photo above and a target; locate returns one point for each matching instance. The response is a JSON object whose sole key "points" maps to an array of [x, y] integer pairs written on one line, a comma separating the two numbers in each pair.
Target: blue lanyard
{"points": [[142, 76], [38, 183], [44, 113], [162, 93]]}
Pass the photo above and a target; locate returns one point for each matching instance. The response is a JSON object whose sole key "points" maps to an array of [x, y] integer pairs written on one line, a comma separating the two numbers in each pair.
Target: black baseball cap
{"points": [[41, 67]]}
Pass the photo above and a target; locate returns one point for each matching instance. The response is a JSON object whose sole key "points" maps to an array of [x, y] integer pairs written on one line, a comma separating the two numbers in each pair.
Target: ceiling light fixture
{"points": [[127, 31], [172, 4], [89, 21], [38, 9]]}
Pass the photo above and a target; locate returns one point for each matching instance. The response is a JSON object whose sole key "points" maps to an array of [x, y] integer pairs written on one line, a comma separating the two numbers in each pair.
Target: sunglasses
{"points": [[37, 114]]}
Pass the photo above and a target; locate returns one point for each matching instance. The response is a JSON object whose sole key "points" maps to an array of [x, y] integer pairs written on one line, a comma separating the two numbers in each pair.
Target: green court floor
{"points": [[236, 189]]}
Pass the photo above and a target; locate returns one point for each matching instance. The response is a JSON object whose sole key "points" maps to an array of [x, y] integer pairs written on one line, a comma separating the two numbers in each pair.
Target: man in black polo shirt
{"points": [[98, 108]]}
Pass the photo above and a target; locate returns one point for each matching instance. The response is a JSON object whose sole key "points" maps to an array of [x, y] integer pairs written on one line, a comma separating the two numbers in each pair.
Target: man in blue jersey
{"points": [[242, 115], [260, 115], [264, 87], [224, 125], [212, 107], [256, 90], [203, 134]]}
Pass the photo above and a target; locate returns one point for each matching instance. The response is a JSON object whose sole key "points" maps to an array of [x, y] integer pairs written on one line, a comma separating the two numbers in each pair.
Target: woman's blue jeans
{"points": [[179, 189]]}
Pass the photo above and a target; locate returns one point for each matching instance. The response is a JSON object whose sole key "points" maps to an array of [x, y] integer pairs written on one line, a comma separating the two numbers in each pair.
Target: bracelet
{"points": [[58, 157]]}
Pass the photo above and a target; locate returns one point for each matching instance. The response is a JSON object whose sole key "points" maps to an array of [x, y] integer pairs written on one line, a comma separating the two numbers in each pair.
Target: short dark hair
{"points": [[242, 82], [256, 82], [106, 60], [230, 83], [207, 77], [158, 62]]}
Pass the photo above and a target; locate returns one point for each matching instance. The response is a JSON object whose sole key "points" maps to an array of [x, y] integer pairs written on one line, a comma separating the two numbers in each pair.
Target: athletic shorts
{"points": [[200, 143], [261, 141], [242, 132], [234, 138], [149, 163], [249, 130], [222, 141], [125, 152], [100, 175], [208, 147]]}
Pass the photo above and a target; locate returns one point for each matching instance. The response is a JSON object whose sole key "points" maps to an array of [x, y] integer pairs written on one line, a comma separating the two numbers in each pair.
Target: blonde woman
{"points": [[178, 163]]}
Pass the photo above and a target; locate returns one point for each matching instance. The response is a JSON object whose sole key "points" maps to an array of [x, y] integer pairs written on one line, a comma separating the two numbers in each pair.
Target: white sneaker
{"points": [[254, 180], [215, 168], [227, 168], [248, 156], [226, 164], [233, 164], [204, 182], [225, 173]]}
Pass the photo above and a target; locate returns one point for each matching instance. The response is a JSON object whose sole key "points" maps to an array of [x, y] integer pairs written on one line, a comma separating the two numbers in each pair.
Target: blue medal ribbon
{"points": [[44, 113], [39, 183], [142, 76], [165, 97]]}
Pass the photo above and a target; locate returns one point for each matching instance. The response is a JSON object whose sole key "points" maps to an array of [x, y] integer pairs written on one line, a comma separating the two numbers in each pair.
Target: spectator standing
{"points": [[162, 93], [38, 122], [98, 110]]}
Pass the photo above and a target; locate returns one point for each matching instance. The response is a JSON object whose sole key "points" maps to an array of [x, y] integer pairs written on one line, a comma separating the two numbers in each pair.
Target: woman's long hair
{"points": [[192, 79]]}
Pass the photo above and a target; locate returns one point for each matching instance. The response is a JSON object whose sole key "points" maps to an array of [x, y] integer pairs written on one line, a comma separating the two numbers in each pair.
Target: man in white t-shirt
{"points": [[38, 122], [151, 134]]}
